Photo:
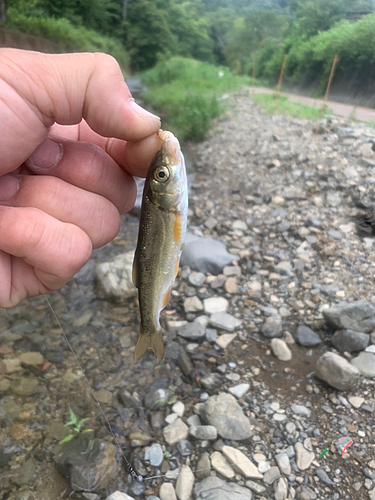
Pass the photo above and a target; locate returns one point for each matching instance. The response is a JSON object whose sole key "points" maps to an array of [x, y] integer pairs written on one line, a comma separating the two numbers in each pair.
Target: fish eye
{"points": [[161, 174]]}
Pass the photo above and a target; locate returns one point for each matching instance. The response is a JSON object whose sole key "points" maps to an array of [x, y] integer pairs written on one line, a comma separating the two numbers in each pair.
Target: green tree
{"points": [[147, 33], [3, 11], [101, 15], [191, 31], [221, 22], [250, 33], [313, 16]]}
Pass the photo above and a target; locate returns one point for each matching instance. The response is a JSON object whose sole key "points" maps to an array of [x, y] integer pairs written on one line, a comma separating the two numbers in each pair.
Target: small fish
{"points": [[161, 238]]}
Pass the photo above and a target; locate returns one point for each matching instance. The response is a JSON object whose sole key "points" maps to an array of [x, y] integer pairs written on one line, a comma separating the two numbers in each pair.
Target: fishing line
{"points": [[172, 474], [132, 472]]}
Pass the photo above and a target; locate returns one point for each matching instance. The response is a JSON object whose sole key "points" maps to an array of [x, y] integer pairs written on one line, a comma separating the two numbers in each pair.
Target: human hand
{"points": [[65, 164]]}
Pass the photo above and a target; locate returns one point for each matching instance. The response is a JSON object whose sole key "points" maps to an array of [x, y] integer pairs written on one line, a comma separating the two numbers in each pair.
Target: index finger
{"points": [[134, 157], [37, 90]]}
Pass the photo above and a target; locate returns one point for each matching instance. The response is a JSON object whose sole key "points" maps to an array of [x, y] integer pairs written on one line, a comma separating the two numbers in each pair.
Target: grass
{"points": [[65, 37], [189, 94], [286, 107]]}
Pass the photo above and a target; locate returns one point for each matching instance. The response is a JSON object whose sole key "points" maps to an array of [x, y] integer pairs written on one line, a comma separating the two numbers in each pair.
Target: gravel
{"points": [[275, 255]]}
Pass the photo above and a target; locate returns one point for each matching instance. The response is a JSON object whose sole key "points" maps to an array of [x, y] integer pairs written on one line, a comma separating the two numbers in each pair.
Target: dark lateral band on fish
{"points": [[161, 237]]}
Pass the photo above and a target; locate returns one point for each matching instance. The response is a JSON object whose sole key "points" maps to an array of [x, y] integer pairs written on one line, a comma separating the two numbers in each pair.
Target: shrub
{"points": [[66, 37], [188, 94]]}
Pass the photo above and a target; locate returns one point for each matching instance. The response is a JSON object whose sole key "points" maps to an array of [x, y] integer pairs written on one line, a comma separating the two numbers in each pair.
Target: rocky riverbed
{"points": [[267, 390]]}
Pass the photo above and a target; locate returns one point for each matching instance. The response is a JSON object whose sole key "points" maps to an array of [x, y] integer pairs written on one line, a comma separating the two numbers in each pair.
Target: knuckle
{"points": [[108, 226], [107, 60], [78, 252]]}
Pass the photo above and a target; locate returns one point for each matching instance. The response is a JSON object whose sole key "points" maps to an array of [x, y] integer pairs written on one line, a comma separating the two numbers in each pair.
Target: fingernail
{"points": [[141, 111], [9, 185], [47, 155]]}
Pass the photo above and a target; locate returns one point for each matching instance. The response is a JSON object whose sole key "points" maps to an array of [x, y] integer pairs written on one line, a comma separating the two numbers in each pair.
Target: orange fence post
{"points": [[279, 84], [335, 60]]}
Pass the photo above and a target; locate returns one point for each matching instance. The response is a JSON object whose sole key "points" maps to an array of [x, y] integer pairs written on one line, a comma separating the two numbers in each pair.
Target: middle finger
{"points": [[96, 215], [86, 166]]}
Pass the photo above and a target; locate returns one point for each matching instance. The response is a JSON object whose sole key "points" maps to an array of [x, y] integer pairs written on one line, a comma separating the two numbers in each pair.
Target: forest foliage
{"points": [[238, 33], [181, 46]]}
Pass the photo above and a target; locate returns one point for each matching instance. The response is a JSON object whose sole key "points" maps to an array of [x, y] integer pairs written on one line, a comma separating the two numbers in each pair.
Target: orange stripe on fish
{"points": [[176, 267], [167, 296], [177, 227]]}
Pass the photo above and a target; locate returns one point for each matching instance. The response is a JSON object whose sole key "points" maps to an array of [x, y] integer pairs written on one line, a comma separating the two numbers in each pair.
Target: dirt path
{"points": [[338, 108]]}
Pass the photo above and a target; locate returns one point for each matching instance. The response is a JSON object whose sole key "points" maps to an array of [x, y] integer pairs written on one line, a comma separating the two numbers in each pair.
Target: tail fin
{"points": [[153, 340]]}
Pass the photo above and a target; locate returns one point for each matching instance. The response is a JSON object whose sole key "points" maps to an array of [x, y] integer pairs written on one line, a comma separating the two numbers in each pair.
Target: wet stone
{"points": [[154, 455], [283, 463], [239, 390], [306, 337], [221, 465], [118, 495], [241, 463], [213, 488], [211, 381], [211, 335], [224, 321], [25, 386], [255, 487], [184, 448], [203, 467], [175, 431], [206, 255], [31, 358], [232, 271], [87, 464], [304, 492], [272, 475], [167, 492], [272, 327], [179, 408], [365, 363], [136, 489], [224, 413], [25, 473], [192, 331], [215, 305], [300, 410], [193, 304], [337, 372], [281, 350], [157, 399], [323, 476], [115, 277], [196, 279], [281, 489], [304, 457], [224, 340], [185, 483], [350, 341], [203, 432], [10, 365], [357, 316]]}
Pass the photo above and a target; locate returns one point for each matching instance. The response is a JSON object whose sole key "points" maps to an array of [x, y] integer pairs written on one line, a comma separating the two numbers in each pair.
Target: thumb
{"points": [[38, 90]]}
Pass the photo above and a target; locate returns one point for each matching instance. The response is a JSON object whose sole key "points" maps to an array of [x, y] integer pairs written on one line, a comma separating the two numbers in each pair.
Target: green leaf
{"points": [[80, 423], [89, 448], [73, 417], [87, 430], [67, 438]]}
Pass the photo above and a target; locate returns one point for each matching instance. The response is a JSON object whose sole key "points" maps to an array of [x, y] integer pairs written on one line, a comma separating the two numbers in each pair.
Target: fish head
{"points": [[167, 174]]}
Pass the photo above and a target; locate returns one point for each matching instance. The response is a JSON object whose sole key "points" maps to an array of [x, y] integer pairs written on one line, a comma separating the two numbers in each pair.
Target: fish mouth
{"points": [[171, 146]]}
